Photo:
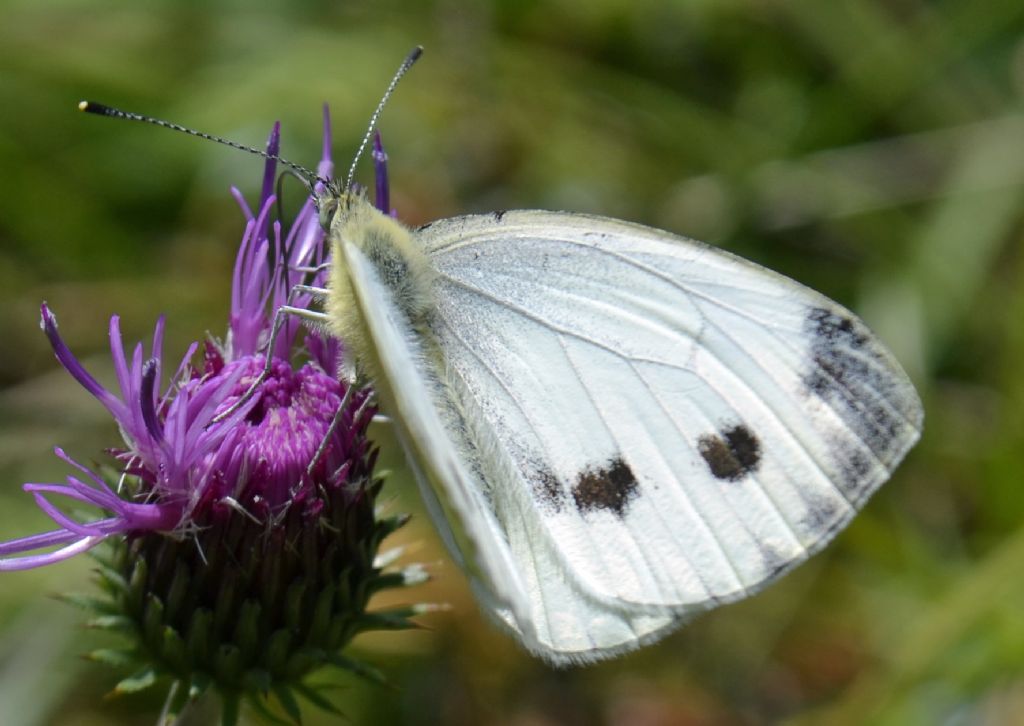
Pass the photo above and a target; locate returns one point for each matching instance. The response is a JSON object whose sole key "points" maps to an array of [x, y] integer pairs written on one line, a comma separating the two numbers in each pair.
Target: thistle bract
{"points": [[242, 549]]}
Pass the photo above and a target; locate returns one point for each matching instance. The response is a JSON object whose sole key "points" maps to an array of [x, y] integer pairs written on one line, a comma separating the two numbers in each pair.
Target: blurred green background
{"points": [[871, 149]]}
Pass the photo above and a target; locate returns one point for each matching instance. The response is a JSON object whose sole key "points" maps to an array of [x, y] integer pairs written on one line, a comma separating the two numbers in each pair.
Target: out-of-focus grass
{"points": [[872, 150]]}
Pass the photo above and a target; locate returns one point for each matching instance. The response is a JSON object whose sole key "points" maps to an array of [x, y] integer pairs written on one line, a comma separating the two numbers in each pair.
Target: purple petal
{"points": [[242, 203], [325, 169], [380, 168], [270, 167], [38, 541], [181, 370], [62, 455], [65, 357], [60, 518], [103, 498], [325, 350], [238, 279], [26, 563], [147, 400], [250, 278], [117, 352], [156, 353]]}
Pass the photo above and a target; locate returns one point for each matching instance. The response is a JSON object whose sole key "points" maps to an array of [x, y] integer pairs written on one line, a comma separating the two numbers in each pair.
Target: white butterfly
{"points": [[614, 428]]}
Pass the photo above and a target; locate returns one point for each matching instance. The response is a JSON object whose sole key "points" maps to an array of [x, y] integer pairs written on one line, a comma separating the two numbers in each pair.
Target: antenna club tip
{"points": [[97, 108], [414, 55]]}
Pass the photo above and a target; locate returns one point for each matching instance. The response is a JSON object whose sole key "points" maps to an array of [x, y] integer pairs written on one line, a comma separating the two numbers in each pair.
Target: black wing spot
{"points": [[731, 454], [610, 488], [547, 488], [498, 215]]}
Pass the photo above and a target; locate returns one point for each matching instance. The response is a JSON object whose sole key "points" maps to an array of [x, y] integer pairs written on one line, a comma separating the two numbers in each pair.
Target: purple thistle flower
{"points": [[268, 511]]}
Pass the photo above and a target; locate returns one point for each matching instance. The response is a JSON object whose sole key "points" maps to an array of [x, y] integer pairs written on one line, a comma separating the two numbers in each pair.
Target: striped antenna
{"points": [[310, 178], [413, 56]]}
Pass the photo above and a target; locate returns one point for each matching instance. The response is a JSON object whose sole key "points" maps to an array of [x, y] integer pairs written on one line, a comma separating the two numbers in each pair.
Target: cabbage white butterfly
{"points": [[614, 428]]}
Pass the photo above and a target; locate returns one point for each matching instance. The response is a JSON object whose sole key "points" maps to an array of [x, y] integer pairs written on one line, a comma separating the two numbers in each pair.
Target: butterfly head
{"points": [[336, 206], [327, 199]]}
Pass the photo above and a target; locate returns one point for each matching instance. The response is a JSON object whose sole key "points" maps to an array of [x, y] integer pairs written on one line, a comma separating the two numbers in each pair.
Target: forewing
{"points": [[658, 426], [407, 384]]}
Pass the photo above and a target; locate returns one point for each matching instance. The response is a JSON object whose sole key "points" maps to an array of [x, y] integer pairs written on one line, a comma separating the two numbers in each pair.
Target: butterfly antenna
{"points": [[413, 56], [308, 177]]}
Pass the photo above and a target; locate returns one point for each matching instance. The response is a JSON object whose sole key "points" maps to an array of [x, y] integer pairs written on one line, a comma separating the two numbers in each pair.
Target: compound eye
{"points": [[328, 208]]}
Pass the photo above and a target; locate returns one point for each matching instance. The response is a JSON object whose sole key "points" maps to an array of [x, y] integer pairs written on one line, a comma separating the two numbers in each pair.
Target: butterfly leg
{"points": [[316, 293], [280, 315], [307, 270], [330, 431], [357, 417]]}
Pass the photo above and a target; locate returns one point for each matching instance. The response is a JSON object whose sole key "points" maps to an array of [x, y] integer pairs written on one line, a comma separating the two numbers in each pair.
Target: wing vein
{"points": [[529, 419], [711, 299], [764, 493], [784, 425], [505, 303], [704, 522]]}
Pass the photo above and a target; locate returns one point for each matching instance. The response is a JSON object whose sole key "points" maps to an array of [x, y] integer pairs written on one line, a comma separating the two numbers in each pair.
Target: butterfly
{"points": [[614, 428]]}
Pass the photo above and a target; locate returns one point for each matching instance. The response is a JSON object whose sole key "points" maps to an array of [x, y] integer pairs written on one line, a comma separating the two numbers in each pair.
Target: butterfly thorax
{"points": [[399, 262]]}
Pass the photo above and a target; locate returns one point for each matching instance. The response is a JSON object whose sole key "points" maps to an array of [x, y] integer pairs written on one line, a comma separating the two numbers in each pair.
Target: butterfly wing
{"points": [[645, 426], [408, 385]]}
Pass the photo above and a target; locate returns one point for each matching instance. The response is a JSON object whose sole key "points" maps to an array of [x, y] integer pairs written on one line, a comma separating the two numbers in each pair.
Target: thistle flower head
{"points": [[244, 546]]}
